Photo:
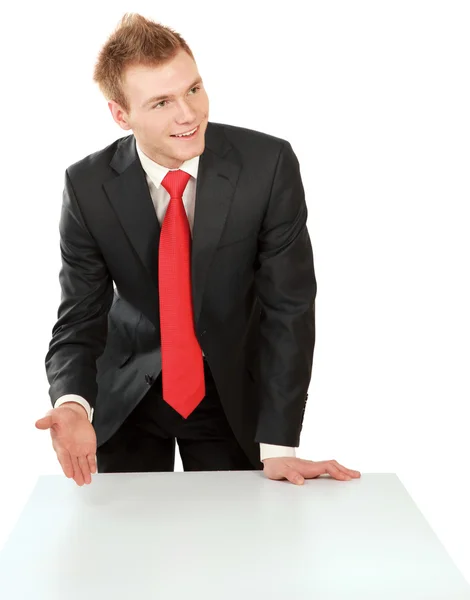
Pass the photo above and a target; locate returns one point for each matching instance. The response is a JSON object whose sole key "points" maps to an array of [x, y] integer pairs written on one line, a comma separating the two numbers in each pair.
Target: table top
{"points": [[225, 535]]}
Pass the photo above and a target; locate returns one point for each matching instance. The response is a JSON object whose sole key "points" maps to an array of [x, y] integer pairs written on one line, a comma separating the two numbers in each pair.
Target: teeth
{"points": [[186, 134]]}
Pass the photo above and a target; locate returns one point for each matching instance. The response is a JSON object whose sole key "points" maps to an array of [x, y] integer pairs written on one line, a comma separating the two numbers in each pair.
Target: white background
{"points": [[374, 98]]}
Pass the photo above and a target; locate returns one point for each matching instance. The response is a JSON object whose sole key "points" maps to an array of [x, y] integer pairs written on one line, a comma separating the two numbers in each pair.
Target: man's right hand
{"points": [[73, 439]]}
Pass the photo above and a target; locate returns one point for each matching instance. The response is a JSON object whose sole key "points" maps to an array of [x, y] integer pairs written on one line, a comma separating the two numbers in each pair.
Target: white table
{"points": [[225, 536]]}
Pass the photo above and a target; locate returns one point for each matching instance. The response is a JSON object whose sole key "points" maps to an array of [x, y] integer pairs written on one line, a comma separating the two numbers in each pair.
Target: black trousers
{"points": [[146, 440]]}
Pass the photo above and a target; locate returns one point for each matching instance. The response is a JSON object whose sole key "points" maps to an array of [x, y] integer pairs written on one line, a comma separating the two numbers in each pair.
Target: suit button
{"points": [[148, 379]]}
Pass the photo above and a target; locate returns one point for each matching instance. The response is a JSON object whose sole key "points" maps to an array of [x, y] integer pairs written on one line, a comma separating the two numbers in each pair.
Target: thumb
{"points": [[44, 423], [294, 476]]}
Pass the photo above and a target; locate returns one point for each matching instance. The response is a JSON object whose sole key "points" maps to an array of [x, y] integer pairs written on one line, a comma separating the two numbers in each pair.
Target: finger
{"points": [[44, 423], [335, 472], [77, 472], [294, 476], [350, 472], [65, 462], [85, 468], [92, 462]]}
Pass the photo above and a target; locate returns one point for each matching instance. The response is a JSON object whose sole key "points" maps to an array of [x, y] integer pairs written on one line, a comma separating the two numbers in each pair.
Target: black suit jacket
{"points": [[253, 285]]}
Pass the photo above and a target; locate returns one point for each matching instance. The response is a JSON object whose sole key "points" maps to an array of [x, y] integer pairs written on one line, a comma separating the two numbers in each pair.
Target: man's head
{"points": [[149, 76]]}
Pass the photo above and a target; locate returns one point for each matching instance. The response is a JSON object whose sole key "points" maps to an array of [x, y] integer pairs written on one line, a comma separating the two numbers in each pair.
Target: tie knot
{"points": [[175, 182]]}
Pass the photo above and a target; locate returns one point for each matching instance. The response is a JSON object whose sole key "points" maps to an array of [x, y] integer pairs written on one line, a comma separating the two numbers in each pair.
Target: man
{"points": [[187, 281]]}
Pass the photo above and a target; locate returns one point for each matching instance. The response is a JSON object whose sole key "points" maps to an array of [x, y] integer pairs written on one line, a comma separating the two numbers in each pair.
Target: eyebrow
{"points": [[166, 96]]}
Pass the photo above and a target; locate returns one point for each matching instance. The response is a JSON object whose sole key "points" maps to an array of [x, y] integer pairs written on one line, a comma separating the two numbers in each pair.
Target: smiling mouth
{"points": [[192, 133]]}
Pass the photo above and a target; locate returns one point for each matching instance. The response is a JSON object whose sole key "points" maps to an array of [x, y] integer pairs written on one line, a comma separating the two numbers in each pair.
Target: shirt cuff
{"points": [[78, 400], [272, 451]]}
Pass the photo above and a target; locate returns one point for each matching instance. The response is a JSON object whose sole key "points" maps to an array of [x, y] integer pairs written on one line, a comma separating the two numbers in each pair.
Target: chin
{"points": [[191, 155], [192, 152]]}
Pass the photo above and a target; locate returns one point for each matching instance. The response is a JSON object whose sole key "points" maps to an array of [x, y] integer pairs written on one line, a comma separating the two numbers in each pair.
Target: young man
{"points": [[188, 285]]}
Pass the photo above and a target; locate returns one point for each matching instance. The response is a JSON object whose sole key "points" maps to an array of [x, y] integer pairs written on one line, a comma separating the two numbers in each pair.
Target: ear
{"points": [[119, 115]]}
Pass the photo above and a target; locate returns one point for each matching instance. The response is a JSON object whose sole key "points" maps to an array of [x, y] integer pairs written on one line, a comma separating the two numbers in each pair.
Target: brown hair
{"points": [[136, 40]]}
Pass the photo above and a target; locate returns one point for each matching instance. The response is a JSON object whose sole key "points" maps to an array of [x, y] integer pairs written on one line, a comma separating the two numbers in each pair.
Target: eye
{"points": [[162, 102], [196, 87]]}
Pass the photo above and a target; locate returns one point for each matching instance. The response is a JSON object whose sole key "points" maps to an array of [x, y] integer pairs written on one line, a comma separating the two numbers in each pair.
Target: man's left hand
{"points": [[296, 470]]}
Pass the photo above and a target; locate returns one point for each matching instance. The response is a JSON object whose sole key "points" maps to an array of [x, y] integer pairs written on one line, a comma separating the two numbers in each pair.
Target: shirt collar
{"points": [[157, 172]]}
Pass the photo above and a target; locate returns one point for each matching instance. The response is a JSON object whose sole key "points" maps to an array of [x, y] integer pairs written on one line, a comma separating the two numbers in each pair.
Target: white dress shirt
{"points": [[161, 198]]}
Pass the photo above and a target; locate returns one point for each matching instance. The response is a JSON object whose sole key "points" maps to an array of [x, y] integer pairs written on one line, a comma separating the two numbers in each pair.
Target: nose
{"points": [[185, 113]]}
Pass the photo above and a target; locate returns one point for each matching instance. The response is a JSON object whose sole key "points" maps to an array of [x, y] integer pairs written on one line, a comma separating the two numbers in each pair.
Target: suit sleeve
{"points": [[286, 288], [79, 334]]}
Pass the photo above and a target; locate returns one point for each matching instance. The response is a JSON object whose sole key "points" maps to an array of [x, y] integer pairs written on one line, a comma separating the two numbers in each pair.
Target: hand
{"points": [[73, 439], [296, 470]]}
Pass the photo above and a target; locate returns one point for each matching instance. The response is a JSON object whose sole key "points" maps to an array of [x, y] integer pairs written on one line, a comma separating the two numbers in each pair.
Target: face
{"points": [[165, 101]]}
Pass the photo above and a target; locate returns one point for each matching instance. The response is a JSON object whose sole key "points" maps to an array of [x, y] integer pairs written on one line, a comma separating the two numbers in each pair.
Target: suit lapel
{"points": [[129, 194], [216, 183]]}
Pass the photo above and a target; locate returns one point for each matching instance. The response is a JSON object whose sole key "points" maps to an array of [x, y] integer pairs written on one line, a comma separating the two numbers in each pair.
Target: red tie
{"points": [[182, 362]]}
